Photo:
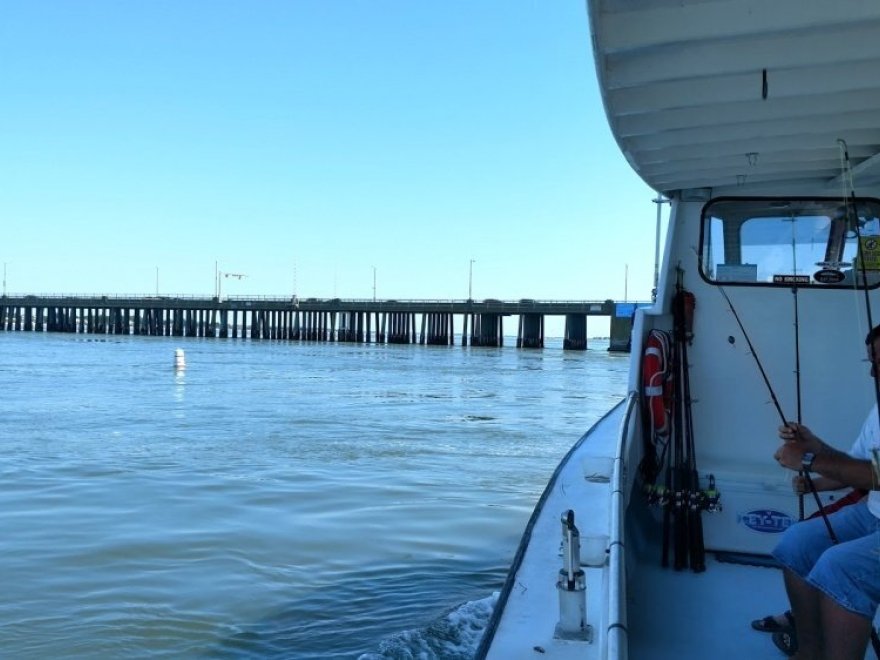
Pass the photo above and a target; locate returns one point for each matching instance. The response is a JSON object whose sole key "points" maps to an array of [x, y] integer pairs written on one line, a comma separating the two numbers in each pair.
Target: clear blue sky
{"points": [[305, 142]]}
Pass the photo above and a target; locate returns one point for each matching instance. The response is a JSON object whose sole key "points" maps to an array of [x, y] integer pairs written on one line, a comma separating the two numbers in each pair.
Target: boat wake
{"points": [[454, 636]]}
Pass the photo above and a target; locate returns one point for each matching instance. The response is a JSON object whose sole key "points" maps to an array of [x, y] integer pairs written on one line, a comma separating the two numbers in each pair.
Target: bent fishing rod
{"points": [[785, 422], [853, 215]]}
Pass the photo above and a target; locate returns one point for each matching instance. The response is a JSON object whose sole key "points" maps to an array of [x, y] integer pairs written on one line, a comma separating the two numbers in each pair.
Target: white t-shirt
{"points": [[869, 438]]}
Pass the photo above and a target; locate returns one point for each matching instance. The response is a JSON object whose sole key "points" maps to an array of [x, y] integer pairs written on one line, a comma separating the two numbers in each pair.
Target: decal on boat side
{"points": [[766, 521]]}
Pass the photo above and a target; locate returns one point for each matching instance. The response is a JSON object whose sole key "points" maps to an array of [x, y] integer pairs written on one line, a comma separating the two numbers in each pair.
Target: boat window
{"points": [[785, 242]]}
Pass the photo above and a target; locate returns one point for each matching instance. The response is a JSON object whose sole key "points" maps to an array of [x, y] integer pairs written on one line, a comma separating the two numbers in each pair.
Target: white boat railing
{"points": [[617, 630]]}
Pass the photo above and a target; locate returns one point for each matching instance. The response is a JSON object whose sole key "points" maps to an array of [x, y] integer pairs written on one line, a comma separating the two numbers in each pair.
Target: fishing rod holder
{"points": [[572, 586]]}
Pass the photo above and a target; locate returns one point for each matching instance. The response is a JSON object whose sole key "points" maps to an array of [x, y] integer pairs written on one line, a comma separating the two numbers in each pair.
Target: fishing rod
{"points": [[797, 351], [797, 379], [754, 354], [853, 215], [785, 422], [696, 499], [678, 481]]}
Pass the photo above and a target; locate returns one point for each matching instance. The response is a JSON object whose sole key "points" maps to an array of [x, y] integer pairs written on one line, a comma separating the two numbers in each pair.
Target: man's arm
{"points": [[829, 462], [843, 468], [799, 484]]}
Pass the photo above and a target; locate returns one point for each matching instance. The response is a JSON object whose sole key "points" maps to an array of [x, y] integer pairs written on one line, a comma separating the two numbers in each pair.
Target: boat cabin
{"points": [[760, 123]]}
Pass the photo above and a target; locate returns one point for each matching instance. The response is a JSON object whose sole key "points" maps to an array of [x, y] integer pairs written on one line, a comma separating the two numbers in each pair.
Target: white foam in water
{"points": [[455, 636]]}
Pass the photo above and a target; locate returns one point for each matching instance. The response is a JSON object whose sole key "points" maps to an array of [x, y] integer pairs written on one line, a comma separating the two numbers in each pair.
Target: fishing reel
{"points": [[682, 499], [711, 497], [657, 495]]}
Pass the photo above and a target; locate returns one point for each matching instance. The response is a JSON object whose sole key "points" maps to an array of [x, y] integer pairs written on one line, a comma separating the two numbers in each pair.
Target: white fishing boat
{"points": [[760, 122]]}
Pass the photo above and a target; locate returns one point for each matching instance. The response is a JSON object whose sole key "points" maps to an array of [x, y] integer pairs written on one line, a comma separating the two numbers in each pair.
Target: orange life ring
{"points": [[657, 382]]}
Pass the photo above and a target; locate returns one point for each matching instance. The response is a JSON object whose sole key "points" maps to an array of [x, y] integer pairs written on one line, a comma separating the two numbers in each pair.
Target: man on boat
{"points": [[834, 588]]}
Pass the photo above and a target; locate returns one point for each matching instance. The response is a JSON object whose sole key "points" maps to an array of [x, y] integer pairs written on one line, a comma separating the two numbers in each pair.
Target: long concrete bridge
{"points": [[314, 319]]}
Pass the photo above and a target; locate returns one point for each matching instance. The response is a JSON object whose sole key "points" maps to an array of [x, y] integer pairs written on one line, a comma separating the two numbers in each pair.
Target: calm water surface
{"points": [[273, 500]]}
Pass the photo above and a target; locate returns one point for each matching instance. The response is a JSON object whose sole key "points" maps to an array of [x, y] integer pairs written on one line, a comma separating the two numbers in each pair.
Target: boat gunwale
{"points": [[614, 541]]}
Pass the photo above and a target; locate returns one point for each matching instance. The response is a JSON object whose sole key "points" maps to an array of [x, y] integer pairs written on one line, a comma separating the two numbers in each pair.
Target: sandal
{"points": [[769, 624], [786, 641]]}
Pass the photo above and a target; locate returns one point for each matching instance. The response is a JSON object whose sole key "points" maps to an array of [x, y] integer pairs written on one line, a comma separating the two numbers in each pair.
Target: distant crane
{"points": [[220, 275]]}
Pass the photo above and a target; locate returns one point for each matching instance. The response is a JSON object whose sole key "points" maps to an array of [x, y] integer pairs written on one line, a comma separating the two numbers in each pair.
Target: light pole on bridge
{"points": [[220, 274], [471, 280]]}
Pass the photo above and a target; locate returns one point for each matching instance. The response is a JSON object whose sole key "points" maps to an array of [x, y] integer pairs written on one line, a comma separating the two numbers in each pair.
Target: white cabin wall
{"points": [[735, 421]]}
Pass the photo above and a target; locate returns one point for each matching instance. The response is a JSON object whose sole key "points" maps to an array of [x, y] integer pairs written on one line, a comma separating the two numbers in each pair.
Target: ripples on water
{"points": [[273, 500]]}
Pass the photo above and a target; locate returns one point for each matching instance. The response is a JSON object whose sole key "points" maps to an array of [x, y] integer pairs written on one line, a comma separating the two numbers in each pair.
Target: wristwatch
{"points": [[807, 461]]}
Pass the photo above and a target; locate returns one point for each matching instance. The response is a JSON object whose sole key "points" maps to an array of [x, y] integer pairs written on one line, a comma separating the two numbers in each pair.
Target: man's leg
{"points": [[805, 606], [798, 550], [848, 576], [846, 634]]}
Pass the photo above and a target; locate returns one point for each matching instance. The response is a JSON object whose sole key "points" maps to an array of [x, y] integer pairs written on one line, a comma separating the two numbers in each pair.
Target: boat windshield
{"points": [[786, 242]]}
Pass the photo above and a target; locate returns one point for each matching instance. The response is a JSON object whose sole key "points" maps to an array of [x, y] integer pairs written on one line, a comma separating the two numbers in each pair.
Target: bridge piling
{"points": [[531, 331], [621, 327], [575, 333]]}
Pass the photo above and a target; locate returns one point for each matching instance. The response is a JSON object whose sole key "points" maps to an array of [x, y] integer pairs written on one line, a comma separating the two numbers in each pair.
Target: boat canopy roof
{"points": [[738, 95]]}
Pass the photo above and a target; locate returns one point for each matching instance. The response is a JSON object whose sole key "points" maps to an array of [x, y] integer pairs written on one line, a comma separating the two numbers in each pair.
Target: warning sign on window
{"points": [[791, 279], [870, 252]]}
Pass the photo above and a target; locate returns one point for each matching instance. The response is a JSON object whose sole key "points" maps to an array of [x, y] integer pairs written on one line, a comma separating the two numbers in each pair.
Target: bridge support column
{"points": [[347, 331], [402, 328], [531, 331], [621, 328], [440, 329], [575, 332], [488, 330]]}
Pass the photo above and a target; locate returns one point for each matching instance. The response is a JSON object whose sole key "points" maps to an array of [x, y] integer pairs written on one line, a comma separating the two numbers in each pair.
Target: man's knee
{"points": [[801, 546], [845, 580]]}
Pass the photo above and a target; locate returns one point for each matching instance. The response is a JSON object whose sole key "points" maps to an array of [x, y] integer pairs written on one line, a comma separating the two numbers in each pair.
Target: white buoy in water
{"points": [[179, 359]]}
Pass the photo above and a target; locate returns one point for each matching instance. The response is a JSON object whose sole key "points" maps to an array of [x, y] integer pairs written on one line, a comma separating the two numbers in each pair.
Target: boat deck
{"points": [[702, 616]]}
